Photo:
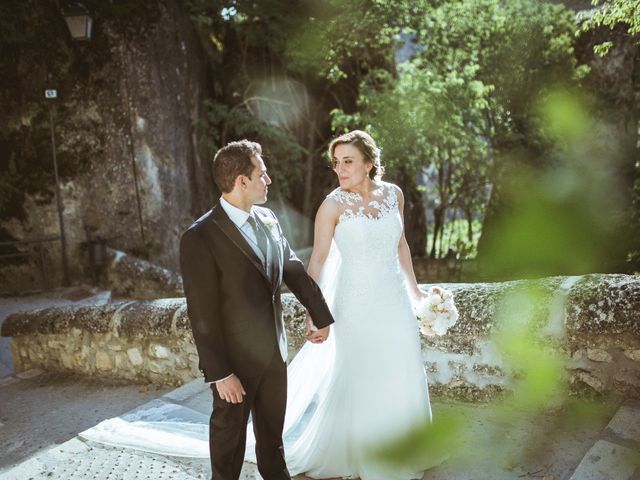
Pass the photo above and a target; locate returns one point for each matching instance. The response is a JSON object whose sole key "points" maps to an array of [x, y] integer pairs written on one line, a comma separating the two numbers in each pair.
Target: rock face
{"points": [[125, 125], [131, 277], [592, 321]]}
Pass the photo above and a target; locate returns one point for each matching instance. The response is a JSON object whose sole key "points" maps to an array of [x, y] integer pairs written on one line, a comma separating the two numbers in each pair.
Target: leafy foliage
{"points": [[466, 97], [611, 13]]}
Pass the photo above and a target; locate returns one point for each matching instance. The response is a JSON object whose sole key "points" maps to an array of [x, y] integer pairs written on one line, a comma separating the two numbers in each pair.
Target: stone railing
{"points": [[593, 320]]}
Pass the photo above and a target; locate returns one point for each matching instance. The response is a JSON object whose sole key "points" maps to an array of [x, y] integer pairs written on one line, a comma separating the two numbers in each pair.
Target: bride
{"points": [[372, 386]]}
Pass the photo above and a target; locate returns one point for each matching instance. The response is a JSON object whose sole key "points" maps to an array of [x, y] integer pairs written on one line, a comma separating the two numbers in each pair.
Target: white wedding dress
{"points": [[366, 385]]}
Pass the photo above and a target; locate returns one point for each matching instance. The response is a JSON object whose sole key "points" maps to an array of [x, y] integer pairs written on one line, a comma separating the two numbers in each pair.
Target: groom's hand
{"points": [[231, 389], [318, 336]]}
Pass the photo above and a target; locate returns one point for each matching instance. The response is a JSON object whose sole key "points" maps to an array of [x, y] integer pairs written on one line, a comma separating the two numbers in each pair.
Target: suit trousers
{"points": [[266, 400]]}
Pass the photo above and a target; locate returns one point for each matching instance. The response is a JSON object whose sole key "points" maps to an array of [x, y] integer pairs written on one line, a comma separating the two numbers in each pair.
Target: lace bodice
{"points": [[354, 206], [367, 234]]}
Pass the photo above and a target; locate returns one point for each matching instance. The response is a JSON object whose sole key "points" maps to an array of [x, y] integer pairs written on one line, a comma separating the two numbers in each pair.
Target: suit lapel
{"points": [[224, 223]]}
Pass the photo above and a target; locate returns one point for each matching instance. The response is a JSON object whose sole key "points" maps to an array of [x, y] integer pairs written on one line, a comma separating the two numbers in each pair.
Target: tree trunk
{"points": [[307, 200], [437, 230], [415, 224], [469, 216]]}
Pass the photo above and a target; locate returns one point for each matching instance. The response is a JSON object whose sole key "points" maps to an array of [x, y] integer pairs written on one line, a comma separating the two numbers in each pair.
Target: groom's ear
{"points": [[241, 183]]}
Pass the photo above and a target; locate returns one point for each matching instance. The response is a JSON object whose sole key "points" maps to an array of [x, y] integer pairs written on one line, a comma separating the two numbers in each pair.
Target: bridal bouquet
{"points": [[436, 312]]}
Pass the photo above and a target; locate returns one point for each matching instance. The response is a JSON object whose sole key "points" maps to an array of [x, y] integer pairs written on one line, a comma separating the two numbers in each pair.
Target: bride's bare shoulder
{"points": [[332, 203], [388, 186], [334, 194]]}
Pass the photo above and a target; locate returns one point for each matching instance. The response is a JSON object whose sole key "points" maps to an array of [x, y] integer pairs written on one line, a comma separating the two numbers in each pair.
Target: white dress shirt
{"points": [[239, 217]]}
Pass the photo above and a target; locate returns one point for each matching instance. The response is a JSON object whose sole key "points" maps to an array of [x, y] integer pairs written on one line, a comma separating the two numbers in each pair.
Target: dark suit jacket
{"points": [[232, 303]]}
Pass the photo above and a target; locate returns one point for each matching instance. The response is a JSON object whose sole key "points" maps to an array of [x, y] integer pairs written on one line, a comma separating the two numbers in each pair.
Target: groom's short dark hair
{"points": [[232, 160]]}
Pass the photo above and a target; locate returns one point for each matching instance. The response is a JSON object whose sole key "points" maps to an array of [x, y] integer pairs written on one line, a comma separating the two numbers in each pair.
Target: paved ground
{"points": [[617, 449], [47, 409], [43, 414]]}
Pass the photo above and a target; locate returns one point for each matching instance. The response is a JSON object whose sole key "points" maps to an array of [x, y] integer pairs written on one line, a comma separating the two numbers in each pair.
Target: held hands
{"points": [[315, 335], [231, 389]]}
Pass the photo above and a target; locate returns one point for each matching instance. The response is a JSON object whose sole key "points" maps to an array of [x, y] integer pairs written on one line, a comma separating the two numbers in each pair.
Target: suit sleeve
{"points": [[201, 287], [304, 287]]}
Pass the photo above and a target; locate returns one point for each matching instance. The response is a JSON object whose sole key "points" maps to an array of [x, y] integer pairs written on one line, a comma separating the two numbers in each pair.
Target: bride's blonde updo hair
{"points": [[367, 146]]}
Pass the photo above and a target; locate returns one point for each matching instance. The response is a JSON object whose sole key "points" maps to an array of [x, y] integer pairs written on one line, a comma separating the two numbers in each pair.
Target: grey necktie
{"points": [[262, 241], [261, 236]]}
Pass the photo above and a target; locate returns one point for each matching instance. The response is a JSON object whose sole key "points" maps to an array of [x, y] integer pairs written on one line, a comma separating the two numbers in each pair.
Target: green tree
{"points": [[610, 14], [427, 119], [279, 70], [467, 100], [519, 50], [616, 22]]}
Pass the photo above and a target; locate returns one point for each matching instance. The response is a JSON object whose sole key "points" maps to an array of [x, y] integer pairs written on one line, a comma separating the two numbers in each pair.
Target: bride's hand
{"points": [[419, 295], [311, 328], [437, 290]]}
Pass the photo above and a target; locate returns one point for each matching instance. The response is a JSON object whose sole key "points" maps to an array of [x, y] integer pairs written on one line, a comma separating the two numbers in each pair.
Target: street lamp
{"points": [[51, 95], [78, 20], [79, 23]]}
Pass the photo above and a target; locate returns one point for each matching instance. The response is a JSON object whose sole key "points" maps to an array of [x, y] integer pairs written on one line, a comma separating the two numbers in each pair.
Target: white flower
{"points": [[436, 312], [272, 225]]}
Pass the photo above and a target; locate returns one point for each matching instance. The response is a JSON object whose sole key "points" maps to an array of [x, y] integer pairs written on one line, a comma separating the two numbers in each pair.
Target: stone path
{"points": [[492, 448], [616, 454], [41, 410]]}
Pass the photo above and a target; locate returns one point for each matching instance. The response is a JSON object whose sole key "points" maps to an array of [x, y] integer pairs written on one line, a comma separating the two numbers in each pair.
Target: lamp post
{"points": [[78, 21], [51, 95]]}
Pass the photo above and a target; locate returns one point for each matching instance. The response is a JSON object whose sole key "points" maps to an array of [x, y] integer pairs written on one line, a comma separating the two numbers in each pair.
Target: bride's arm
{"points": [[404, 255], [324, 227]]}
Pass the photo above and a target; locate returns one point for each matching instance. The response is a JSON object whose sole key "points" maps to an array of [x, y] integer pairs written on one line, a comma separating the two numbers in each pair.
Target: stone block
{"points": [[85, 351], [590, 380], [121, 361], [606, 460], [181, 361], [159, 351], [157, 367], [135, 357], [633, 355], [578, 355], [104, 361], [598, 355], [67, 360], [115, 345], [626, 423]]}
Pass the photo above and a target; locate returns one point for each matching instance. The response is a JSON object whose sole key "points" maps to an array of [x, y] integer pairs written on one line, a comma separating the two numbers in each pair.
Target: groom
{"points": [[233, 261]]}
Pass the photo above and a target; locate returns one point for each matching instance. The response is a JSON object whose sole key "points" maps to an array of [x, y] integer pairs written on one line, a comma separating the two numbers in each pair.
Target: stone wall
{"points": [[593, 320]]}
